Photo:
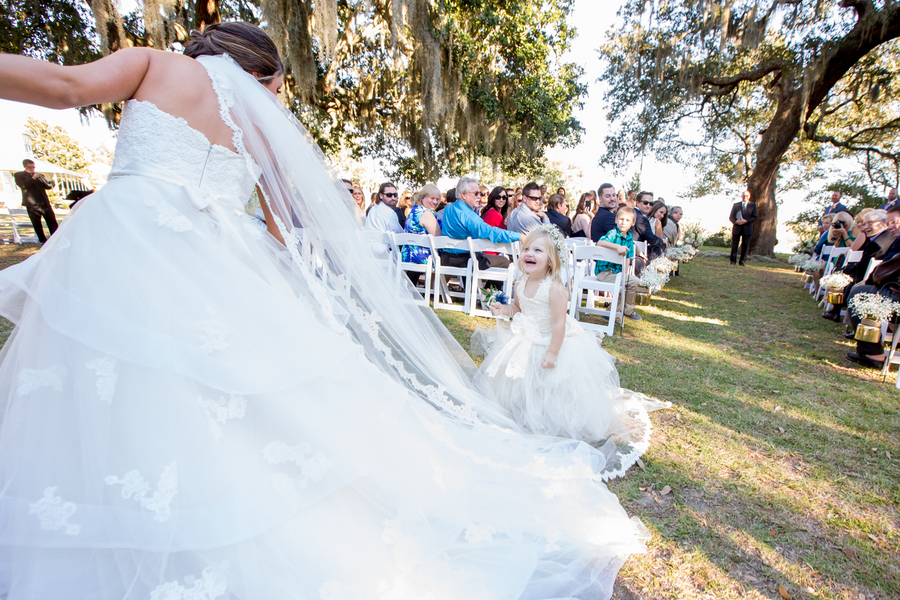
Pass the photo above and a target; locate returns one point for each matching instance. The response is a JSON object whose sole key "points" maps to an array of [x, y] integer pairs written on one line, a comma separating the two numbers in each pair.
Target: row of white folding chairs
{"points": [[585, 288]]}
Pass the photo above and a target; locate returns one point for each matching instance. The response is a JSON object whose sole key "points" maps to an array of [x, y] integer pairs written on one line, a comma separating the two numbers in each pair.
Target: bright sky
{"points": [[592, 19]]}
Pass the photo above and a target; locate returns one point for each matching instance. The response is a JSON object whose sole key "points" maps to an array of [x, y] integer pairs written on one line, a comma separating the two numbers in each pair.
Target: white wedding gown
{"points": [[178, 424]]}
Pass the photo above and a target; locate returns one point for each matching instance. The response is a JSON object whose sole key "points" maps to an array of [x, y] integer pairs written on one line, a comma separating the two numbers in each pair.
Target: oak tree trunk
{"points": [[773, 144]]}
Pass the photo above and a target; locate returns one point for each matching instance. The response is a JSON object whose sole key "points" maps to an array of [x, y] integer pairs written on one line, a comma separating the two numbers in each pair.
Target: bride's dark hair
{"points": [[248, 45]]}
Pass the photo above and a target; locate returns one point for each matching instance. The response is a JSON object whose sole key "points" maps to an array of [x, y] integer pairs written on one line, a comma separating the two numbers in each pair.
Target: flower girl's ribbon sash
{"points": [[525, 333]]}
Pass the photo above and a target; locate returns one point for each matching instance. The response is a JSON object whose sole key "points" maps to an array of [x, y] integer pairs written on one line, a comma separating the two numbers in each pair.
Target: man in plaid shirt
{"points": [[621, 240]]}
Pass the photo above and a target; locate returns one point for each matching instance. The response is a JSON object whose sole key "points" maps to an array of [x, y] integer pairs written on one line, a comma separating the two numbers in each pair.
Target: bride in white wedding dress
{"points": [[193, 410]]}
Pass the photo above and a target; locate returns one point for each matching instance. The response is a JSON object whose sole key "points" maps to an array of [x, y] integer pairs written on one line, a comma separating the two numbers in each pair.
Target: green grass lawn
{"points": [[780, 455]]}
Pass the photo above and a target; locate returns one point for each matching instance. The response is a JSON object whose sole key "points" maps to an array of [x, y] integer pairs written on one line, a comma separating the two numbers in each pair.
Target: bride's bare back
{"points": [[176, 84]]}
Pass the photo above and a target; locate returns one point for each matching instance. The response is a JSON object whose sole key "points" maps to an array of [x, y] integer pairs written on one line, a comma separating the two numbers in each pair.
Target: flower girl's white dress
{"points": [[178, 423], [579, 398]]}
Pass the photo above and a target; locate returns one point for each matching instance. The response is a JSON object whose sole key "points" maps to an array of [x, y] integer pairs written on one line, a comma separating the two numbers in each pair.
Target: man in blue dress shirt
{"points": [[461, 222]]}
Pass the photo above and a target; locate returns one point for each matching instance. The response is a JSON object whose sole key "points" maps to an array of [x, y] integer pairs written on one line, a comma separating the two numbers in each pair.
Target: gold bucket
{"points": [[868, 331], [807, 278], [797, 268], [835, 297], [642, 299]]}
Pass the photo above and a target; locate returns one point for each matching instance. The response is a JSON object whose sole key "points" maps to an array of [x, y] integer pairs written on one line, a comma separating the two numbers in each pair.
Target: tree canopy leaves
{"points": [[432, 87], [740, 88]]}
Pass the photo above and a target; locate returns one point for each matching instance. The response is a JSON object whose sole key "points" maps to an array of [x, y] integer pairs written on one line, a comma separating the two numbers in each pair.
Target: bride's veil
{"points": [[357, 291]]}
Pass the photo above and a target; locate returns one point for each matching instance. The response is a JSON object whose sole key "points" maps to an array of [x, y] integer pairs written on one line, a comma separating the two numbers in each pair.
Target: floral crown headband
{"points": [[561, 249]]}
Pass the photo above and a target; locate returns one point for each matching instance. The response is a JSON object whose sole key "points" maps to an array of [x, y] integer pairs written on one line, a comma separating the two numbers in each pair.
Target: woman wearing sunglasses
{"points": [[495, 211]]}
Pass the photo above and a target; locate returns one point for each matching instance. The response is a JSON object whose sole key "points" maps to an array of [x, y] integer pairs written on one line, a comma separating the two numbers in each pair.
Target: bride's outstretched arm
{"points": [[111, 79], [271, 227]]}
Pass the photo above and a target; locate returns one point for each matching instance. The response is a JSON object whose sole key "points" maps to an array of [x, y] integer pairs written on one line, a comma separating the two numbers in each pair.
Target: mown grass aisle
{"points": [[779, 457]]}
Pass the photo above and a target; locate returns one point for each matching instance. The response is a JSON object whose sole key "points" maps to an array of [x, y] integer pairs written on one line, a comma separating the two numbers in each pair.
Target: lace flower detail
{"points": [[210, 585], [34, 379], [220, 411], [312, 466], [54, 513], [213, 332], [134, 485], [168, 215], [105, 368]]}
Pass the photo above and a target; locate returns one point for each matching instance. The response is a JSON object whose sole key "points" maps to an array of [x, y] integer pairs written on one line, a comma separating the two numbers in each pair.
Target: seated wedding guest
{"points": [[658, 217], [643, 232], [605, 216], [373, 200], [840, 234], [460, 221], [422, 220], [672, 230], [529, 214], [825, 225], [359, 198], [621, 239], [884, 281], [449, 198], [879, 240], [621, 195], [482, 199], [581, 224], [558, 210], [494, 212], [561, 191], [858, 230], [382, 216]]}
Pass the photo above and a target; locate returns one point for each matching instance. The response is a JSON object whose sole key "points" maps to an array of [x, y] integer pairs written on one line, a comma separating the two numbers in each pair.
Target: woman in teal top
{"points": [[422, 220]]}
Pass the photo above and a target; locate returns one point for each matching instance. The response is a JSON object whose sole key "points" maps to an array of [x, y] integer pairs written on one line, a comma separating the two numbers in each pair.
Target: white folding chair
{"points": [[872, 264], [17, 237], [893, 357], [426, 268], [443, 295], [854, 256], [505, 275], [829, 267], [570, 267], [585, 281]]}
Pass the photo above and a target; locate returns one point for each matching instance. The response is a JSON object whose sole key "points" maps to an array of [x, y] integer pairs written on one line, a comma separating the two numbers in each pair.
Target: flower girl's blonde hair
{"points": [[556, 247]]}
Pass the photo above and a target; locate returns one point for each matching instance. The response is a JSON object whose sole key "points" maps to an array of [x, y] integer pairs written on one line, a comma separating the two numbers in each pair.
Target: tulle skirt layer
{"points": [[579, 398], [178, 423]]}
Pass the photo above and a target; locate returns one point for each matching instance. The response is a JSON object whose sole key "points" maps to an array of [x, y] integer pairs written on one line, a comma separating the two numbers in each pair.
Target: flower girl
{"points": [[551, 374]]}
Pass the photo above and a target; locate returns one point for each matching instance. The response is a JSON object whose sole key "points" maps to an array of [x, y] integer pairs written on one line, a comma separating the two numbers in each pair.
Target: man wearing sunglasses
{"points": [[529, 214], [384, 215], [642, 229]]}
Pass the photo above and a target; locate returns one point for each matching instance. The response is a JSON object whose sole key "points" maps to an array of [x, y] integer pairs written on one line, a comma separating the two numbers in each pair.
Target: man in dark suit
{"points": [[605, 218], [743, 215], [34, 199], [836, 205], [557, 207], [643, 232]]}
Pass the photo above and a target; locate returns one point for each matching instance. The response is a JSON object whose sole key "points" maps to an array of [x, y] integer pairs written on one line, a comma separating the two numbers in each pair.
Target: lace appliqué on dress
{"points": [[213, 332], [168, 215], [105, 368], [211, 585], [54, 513], [222, 410], [312, 466], [34, 379], [134, 485]]}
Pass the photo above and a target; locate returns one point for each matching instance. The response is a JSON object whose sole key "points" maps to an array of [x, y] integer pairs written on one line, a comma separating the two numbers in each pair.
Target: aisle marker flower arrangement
{"points": [[653, 280], [662, 265], [873, 306], [798, 258], [835, 281], [812, 265], [678, 253]]}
